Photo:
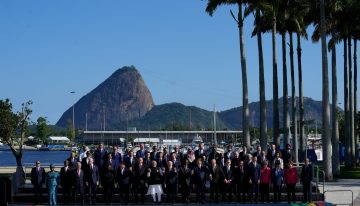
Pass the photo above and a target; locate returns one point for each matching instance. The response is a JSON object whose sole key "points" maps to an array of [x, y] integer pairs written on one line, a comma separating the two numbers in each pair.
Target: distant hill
{"points": [[124, 95], [233, 117], [128, 103]]}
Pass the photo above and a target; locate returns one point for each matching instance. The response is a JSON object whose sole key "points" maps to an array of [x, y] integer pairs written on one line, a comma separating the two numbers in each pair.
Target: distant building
{"points": [[58, 140]]}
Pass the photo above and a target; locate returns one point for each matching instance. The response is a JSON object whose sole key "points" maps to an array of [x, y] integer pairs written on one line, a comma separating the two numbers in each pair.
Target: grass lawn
{"points": [[349, 173]]}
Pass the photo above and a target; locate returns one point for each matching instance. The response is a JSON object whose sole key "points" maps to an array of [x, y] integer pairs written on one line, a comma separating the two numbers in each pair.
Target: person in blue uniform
{"points": [[52, 181]]}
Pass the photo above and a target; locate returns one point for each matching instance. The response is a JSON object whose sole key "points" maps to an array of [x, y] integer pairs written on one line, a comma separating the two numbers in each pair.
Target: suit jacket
{"points": [[52, 179], [65, 177], [228, 174], [123, 178], [258, 155], [270, 156], [228, 155], [108, 180], [153, 155], [277, 178], [185, 177], [129, 163], [243, 155], [213, 155], [162, 163], [72, 162], [199, 175], [100, 157], [92, 175], [216, 173], [287, 156], [306, 174], [199, 154], [140, 174], [140, 153], [240, 176], [79, 180], [147, 162], [38, 177], [176, 164], [254, 172], [171, 177]]}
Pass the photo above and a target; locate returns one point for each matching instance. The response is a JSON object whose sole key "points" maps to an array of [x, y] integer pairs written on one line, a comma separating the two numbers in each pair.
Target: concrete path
{"points": [[342, 197]]}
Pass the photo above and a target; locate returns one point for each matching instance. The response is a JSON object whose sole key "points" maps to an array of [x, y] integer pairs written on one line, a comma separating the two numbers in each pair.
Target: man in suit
{"points": [[240, 181], [227, 181], [72, 160], [254, 174], [215, 175], [199, 176], [243, 153], [228, 153], [141, 152], [179, 155], [271, 155], [100, 157], [200, 152], [123, 178], [171, 181], [92, 180], [139, 183], [153, 153], [85, 161], [176, 162], [66, 181], [79, 181], [161, 161], [235, 160], [258, 154], [306, 178], [38, 176], [213, 155], [130, 160], [287, 155], [147, 159], [185, 180]]}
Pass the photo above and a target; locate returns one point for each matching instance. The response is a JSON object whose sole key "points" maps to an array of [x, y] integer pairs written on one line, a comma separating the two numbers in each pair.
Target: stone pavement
{"points": [[342, 197]]}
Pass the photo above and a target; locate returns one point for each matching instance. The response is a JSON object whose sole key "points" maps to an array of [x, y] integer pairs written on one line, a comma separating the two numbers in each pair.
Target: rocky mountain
{"points": [[123, 96], [127, 102]]}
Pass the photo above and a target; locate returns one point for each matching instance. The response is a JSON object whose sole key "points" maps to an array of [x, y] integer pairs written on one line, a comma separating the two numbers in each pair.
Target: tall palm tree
{"points": [[211, 7], [327, 149]]}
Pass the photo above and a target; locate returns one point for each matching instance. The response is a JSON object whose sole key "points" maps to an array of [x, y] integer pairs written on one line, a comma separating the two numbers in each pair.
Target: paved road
{"points": [[342, 197]]}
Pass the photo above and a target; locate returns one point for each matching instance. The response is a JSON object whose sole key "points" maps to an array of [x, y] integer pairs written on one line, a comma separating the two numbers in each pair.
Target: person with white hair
{"points": [[155, 180]]}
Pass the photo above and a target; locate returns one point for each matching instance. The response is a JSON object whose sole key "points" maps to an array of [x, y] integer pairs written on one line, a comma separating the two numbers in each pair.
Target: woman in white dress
{"points": [[155, 180]]}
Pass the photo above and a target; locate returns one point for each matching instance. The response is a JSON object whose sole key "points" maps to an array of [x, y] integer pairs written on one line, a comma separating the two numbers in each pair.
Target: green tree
{"points": [[42, 129], [13, 127]]}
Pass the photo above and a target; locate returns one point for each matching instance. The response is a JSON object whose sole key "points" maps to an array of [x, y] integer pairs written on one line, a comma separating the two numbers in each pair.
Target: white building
{"points": [[55, 139]]}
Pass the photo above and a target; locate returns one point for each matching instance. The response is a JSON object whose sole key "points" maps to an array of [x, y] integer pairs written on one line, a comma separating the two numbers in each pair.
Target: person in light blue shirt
{"points": [[52, 181]]}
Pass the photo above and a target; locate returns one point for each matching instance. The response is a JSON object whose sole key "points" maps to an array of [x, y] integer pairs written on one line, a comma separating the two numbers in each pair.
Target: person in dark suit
{"points": [[179, 155], [85, 161], [140, 152], [92, 180], [199, 173], [171, 182], [287, 156], [277, 178], [79, 181], [227, 181], [306, 178], [100, 158], [258, 154], [254, 174], [109, 161], [271, 155], [221, 161], [72, 160], [38, 176], [153, 153], [108, 184], [213, 155], [185, 180], [241, 181], [228, 153], [176, 162], [235, 160], [147, 159], [161, 161], [215, 175], [66, 181], [200, 152], [139, 183], [117, 157], [123, 178], [243, 154], [130, 160]]}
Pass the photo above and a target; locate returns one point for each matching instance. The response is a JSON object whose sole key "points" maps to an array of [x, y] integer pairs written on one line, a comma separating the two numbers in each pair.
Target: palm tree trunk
{"points": [[326, 141], [301, 101], [355, 102], [244, 79], [335, 124], [263, 126], [286, 118], [346, 108], [293, 101], [351, 106], [275, 87]]}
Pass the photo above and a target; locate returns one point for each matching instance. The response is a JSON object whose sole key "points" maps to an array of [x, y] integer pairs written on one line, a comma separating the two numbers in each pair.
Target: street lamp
{"points": [[73, 117]]}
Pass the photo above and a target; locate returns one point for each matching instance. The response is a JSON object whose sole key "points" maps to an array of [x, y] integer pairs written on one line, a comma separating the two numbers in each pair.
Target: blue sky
{"points": [[49, 48]]}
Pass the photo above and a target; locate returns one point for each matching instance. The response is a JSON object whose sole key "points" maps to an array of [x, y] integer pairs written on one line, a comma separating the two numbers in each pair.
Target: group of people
{"points": [[232, 176]]}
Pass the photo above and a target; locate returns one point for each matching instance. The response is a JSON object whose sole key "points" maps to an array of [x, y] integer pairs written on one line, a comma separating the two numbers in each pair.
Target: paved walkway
{"points": [[342, 197]]}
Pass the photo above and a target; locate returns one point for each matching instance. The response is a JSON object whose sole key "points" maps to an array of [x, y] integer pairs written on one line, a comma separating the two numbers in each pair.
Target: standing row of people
{"points": [[248, 177]]}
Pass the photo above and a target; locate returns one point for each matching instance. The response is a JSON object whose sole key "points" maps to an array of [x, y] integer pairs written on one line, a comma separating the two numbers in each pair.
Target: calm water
{"points": [[55, 157]]}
